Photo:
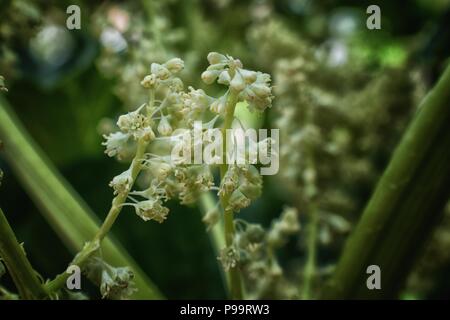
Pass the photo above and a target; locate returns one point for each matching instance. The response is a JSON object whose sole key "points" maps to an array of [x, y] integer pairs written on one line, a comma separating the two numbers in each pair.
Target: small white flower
{"points": [[122, 183], [151, 209], [136, 124], [115, 143], [229, 257]]}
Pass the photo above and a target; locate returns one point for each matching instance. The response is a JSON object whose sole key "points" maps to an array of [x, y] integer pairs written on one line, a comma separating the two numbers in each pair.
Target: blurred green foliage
{"points": [[62, 107]]}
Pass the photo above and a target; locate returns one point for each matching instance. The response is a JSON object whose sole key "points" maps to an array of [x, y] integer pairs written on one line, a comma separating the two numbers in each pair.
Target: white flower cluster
{"points": [[250, 86], [156, 124]]}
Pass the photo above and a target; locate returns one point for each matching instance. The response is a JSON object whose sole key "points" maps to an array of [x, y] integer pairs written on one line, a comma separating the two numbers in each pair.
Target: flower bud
{"points": [[164, 127], [238, 83], [249, 76], [224, 78], [160, 71], [149, 81], [215, 58], [261, 90], [174, 65], [209, 77]]}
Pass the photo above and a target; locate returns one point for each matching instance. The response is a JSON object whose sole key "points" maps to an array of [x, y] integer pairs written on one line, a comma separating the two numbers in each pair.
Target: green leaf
{"points": [[407, 203]]}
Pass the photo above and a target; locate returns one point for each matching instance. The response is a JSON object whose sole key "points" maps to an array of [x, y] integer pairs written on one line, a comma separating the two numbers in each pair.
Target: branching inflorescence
{"points": [[153, 132], [149, 137]]}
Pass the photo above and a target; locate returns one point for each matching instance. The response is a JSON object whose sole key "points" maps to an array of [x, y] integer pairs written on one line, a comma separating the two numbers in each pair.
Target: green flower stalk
{"points": [[122, 187], [155, 130]]}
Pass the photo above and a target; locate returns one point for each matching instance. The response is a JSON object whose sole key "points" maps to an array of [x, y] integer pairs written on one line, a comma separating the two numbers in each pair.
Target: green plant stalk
{"points": [[62, 207], [215, 234], [82, 257], [234, 277], [407, 203], [207, 203], [20, 269]]}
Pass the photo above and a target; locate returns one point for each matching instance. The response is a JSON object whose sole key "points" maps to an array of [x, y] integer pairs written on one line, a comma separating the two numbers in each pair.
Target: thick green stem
{"points": [[234, 277], [407, 202], [20, 269], [63, 208]]}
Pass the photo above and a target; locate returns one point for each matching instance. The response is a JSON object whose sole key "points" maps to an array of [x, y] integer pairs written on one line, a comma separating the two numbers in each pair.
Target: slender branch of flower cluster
{"points": [[234, 277], [82, 257], [157, 138]]}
